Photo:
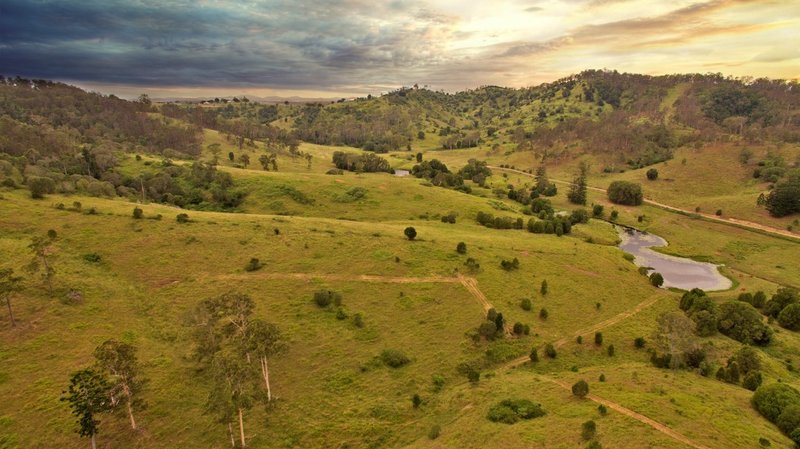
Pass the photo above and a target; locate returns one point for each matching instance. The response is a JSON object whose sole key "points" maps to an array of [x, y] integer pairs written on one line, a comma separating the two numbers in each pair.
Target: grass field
{"points": [[332, 391]]}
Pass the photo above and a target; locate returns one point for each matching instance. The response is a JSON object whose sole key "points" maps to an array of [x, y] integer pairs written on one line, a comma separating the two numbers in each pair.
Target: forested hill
{"points": [[630, 117], [66, 139]]}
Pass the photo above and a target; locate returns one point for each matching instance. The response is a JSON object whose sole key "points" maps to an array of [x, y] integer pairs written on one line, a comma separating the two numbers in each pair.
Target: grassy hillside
{"points": [[140, 280], [331, 390]]}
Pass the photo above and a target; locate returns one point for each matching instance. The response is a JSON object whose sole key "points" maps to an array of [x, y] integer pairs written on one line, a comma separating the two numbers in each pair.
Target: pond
{"points": [[678, 272]]}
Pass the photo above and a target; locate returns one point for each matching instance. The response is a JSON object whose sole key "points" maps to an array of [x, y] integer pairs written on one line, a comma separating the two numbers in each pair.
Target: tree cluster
{"points": [[234, 349]]}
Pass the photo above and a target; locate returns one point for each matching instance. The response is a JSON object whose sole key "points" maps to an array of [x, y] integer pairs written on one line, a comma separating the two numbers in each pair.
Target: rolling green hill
{"points": [[405, 359]]}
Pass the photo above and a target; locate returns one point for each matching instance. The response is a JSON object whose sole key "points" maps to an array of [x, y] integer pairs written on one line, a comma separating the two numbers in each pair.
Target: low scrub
{"points": [[510, 411]]}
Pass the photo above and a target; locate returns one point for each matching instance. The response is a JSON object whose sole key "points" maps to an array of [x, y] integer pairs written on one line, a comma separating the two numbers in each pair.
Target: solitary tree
{"points": [[88, 396], [598, 338], [118, 360], [542, 182], [543, 289], [577, 192], [652, 174], [9, 284], [580, 389], [42, 248], [656, 279], [461, 248], [624, 192], [410, 232]]}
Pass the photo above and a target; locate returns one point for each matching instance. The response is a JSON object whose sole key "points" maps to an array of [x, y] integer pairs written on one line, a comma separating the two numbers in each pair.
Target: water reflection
{"points": [[678, 272]]}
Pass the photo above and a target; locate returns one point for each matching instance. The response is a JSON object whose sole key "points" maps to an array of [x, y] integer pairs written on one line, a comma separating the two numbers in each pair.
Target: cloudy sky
{"points": [[354, 47]]}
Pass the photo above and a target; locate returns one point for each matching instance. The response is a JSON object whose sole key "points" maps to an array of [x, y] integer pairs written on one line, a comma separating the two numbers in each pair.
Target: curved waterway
{"points": [[678, 272]]}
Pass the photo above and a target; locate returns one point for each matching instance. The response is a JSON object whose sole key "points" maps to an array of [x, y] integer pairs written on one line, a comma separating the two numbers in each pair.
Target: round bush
{"points": [[742, 322], [624, 192], [580, 389], [789, 317], [510, 411], [394, 358], [771, 400]]}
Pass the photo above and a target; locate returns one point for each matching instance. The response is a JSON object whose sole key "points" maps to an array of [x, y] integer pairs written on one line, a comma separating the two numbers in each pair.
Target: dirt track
{"points": [[729, 221], [593, 328], [630, 413], [471, 284]]}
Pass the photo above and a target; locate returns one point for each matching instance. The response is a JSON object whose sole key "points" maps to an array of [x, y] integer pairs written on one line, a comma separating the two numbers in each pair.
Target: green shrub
{"points": [[550, 351], [771, 400], [525, 304], [534, 356], [358, 320], [759, 299], [543, 313], [410, 233], [790, 317], [789, 419], [784, 297], [510, 411], [752, 380], [461, 248], [438, 382], [588, 430], [742, 322], [324, 298], [182, 218], [416, 401], [748, 359], [92, 257], [510, 265], [39, 186], [138, 213], [602, 409], [394, 358], [435, 431], [639, 342], [253, 265], [598, 338], [624, 192], [488, 330], [610, 350], [580, 389], [656, 279]]}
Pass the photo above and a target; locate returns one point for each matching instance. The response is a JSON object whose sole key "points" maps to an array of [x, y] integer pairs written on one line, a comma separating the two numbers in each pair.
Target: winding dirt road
{"points": [[728, 221], [591, 329], [630, 413], [471, 285]]}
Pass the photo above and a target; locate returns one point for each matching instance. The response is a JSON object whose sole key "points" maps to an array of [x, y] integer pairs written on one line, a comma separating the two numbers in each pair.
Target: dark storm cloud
{"points": [[200, 43]]}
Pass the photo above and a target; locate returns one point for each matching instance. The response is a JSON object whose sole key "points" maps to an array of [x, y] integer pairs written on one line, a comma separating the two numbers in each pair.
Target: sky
{"points": [[344, 48]]}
